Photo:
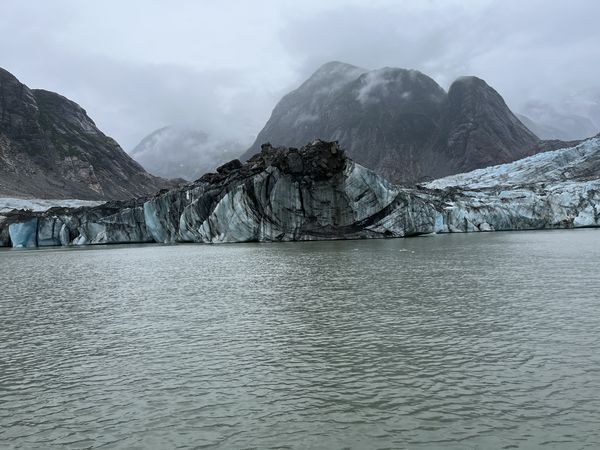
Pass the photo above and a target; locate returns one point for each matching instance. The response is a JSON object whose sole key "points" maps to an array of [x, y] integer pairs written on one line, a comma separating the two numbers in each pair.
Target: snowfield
{"points": [[38, 204], [581, 163]]}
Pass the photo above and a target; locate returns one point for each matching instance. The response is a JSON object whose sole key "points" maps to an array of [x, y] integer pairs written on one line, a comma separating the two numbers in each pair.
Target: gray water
{"points": [[461, 341]]}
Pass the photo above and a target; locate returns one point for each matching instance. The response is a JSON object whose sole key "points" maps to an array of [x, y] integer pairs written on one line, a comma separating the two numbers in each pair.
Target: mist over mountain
{"points": [[50, 148], [400, 122], [189, 71], [548, 122], [541, 130], [183, 152], [586, 103]]}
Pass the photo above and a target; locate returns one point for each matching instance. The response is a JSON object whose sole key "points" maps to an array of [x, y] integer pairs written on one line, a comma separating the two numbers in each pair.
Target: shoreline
{"points": [[359, 239]]}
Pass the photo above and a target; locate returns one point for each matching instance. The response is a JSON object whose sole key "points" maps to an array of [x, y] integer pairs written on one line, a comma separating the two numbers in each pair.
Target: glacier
{"points": [[318, 193], [555, 189], [40, 204]]}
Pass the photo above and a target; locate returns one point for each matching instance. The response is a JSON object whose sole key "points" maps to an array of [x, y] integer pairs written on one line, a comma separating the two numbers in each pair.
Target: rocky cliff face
{"points": [[50, 148], [317, 192], [399, 122], [183, 152], [480, 129]]}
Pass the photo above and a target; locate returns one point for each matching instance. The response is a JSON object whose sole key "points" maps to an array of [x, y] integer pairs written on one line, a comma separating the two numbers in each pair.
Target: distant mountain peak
{"points": [[550, 122], [474, 89], [403, 85], [337, 66], [469, 79], [332, 74], [177, 151], [400, 122]]}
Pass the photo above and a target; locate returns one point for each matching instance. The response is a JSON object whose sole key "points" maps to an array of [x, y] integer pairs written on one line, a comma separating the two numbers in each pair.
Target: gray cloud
{"points": [[221, 66], [524, 49]]}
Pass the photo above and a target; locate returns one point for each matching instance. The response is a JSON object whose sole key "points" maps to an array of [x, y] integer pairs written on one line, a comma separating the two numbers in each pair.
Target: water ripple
{"points": [[478, 341]]}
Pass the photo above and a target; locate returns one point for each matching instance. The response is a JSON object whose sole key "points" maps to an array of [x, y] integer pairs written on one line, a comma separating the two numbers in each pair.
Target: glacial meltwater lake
{"points": [[463, 341]]}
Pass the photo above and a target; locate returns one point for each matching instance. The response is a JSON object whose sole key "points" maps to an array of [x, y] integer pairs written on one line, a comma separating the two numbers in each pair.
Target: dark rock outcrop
{"points": [[399, 122], [50, 148]]}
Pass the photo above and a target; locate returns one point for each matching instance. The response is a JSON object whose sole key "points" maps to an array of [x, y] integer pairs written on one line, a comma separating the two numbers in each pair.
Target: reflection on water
{"points": [[460, 341]]}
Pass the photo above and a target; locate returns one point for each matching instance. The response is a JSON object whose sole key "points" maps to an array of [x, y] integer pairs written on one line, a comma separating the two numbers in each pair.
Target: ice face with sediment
{"points": [[317, 193], [556, 189], [580, 163]]}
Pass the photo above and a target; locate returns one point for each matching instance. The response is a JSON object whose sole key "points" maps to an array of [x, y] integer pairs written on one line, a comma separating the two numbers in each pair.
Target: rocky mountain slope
{"points": [[317, 192], [399, 122], [183, 152], [50, 148]]}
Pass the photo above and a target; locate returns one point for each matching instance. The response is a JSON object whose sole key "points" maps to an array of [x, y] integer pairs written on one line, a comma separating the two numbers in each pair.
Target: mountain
{"points": [[542, 130], [548, 123], [183, 152], [400, 122], [318, 193], [50, 148]]}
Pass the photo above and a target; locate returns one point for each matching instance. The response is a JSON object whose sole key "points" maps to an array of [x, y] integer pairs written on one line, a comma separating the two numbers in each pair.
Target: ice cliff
{"points": [[316, 192], [556, 189]]}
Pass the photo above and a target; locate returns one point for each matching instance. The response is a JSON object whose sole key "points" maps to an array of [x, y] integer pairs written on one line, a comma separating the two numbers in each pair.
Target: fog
{"points": [[221, 67]]}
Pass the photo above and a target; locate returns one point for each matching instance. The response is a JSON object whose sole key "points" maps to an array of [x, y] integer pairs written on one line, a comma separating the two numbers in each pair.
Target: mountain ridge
{"points": [[400, 122], [51, 148]]}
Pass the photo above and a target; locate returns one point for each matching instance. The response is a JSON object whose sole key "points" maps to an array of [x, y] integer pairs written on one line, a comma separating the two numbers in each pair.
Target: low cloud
{"points": [[534, 50], [137, 66]]}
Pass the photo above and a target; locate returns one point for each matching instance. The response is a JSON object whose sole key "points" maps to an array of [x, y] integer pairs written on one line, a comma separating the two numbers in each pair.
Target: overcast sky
{"points": [[222, 65]]}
